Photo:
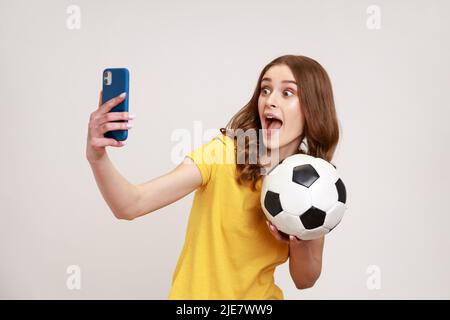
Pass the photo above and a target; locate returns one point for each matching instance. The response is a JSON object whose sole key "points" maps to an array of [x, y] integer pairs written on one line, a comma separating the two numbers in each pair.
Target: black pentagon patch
{"points": [[272, 203], [313, 218], [342, 193], [305, 175]]}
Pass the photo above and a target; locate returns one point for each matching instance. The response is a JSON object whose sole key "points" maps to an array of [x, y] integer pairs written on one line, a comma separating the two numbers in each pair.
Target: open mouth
{"points": [[272, 123]]}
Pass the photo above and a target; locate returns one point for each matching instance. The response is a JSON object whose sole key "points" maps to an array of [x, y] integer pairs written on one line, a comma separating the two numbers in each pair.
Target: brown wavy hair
{"points": [[321, 130]]}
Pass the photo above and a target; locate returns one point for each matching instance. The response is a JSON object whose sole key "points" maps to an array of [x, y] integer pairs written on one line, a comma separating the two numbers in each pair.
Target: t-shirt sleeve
{"points": [[207, 157]]}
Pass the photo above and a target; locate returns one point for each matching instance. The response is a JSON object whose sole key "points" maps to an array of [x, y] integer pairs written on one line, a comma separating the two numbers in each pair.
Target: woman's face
{"points": [[280, 98]]}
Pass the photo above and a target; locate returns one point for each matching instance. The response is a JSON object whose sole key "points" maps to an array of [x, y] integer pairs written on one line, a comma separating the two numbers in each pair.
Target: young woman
{"points": [[231, 250]]}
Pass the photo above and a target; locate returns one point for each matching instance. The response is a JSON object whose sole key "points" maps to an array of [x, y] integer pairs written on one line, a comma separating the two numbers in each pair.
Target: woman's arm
{"points": [[305, 258], [128, 201], [120, 195], [305, 261], [166, 189]]}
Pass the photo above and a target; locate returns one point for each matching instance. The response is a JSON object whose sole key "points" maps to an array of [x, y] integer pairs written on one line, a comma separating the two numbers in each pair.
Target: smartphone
{"points": [[116, 81]]}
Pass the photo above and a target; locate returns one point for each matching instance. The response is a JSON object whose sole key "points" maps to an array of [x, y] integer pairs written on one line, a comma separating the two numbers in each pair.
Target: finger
{"points": [[277, 234], [283, 239], [280, 235], [274, 227], [111, 126], [113, 116], [283, 236], [107, 142], [269, 225], [111, 103], [100, 99]]}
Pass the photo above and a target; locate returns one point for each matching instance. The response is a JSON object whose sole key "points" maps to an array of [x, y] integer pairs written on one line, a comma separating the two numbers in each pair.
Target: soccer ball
{"points": [[303, 196]]}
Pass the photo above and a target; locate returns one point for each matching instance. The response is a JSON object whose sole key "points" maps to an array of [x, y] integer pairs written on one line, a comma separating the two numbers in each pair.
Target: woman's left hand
{"points": [[305, 257], [291, 240]]}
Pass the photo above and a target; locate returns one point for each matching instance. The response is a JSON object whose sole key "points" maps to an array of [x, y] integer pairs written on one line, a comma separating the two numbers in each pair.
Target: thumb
{"points": [[100, 99]]}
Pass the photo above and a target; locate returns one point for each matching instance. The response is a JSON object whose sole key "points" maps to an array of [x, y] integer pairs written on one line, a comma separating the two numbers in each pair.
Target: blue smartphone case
{"points": [[116, 81]]}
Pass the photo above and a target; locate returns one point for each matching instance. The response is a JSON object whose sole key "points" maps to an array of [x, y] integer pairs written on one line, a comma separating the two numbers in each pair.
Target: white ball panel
{"points": [[313, 233], [288, 223], [275, 170], [324, 194], [325, 169], [275, 180], [297, 160], [295, 198], [270, 217], [334, 215]]}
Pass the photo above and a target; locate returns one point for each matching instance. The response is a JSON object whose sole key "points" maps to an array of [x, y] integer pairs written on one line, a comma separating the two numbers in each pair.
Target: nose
{"points": [[271, 100]]}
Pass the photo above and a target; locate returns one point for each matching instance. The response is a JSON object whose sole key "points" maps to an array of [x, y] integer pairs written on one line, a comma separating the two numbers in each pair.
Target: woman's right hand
{"points": [[100, 122]]}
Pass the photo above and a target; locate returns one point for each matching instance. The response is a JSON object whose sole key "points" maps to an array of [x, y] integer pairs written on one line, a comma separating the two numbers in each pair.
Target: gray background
{"points": [[199, 60]]}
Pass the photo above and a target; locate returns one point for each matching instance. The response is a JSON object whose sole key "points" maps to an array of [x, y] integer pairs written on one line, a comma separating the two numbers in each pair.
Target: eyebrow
{"points": [[284, 81]]}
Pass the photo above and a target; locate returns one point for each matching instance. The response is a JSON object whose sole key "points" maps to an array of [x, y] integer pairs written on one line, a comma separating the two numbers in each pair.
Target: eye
{"points": [[266, 88], [289, 92]]}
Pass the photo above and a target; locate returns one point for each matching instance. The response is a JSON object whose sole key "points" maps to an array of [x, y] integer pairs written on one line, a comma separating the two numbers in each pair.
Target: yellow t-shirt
{"points": [[228, 251]]}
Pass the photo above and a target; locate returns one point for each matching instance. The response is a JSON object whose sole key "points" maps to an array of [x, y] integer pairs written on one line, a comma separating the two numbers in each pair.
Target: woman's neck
{"points": [[271, 159]]}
